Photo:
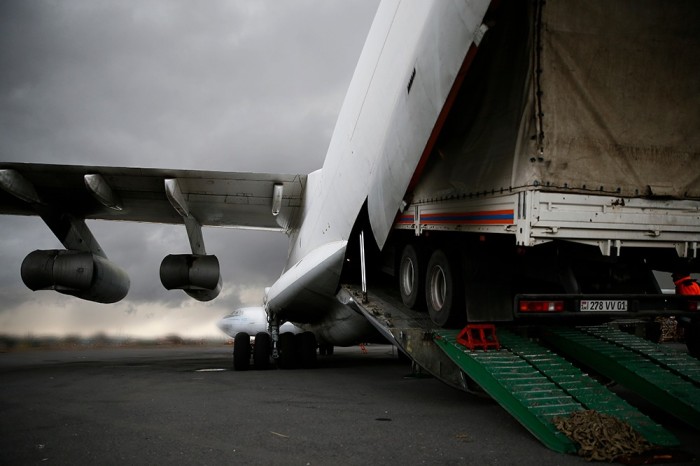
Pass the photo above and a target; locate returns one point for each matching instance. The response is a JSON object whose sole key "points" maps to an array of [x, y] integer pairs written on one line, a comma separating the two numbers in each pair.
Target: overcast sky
{"points": [[252, 86]]}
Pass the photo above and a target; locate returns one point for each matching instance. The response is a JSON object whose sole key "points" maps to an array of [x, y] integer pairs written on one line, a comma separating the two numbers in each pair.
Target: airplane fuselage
{"points": [[407, 70]]}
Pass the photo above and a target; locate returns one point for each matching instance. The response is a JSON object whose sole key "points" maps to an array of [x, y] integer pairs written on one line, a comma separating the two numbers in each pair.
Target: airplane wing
{"points": [[242, 200]]}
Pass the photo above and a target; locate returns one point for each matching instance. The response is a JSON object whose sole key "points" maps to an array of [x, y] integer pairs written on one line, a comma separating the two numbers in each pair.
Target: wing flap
{"points": [[225, 199]]}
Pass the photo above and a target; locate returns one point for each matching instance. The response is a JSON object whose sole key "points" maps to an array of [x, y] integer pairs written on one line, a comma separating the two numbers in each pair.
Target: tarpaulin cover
{"points": [[585, 95]]}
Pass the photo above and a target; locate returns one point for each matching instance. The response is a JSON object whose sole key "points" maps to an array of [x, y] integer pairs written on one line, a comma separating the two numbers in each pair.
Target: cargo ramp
{"points": [[536, 384], [668, 379]]}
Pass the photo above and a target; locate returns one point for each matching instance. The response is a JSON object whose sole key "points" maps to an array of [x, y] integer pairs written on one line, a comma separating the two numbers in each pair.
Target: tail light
{"points": [[541, 306]]}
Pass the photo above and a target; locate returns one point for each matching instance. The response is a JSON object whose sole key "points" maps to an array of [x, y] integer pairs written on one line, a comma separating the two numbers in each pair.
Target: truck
{"points": [[565, 179], [559, 191]]}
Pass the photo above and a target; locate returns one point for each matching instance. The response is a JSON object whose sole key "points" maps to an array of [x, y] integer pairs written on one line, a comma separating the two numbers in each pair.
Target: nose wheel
{"points": [[294, 351]]}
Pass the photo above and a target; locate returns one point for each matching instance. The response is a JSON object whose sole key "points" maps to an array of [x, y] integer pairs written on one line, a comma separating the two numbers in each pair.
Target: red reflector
{"points": [[694, 305], [541, 306]]}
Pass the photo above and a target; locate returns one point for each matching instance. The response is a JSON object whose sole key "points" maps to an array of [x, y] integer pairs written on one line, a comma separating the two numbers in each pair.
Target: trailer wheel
{"points": [[442, 297], [241, 352], [262, 351], [411, 277]]}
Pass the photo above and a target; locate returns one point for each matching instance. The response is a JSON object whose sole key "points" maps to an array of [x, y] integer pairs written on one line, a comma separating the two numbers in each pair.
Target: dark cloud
{"points": [[168, 82], [221, 85]]}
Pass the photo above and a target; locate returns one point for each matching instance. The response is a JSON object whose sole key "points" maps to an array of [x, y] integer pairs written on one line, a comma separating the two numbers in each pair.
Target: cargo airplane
{"points": [[458, 82], [411, 66]]}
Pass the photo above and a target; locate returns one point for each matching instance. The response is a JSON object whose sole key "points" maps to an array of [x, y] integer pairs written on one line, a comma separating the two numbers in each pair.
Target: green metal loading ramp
{"points": [[670, 380], [536, 385], [531, 382]]}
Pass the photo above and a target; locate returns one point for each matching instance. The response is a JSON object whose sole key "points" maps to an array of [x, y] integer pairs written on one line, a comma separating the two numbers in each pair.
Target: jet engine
{"points": [[197, 275], [76, 273]]}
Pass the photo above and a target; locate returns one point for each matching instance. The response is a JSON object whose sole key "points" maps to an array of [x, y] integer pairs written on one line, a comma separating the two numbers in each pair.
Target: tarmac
{"points": [[183, 405]]}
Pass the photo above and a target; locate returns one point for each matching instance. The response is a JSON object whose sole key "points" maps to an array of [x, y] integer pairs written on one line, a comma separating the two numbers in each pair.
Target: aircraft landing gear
{"points": [[297, 351], [241, 352], [262, 350], [289, 351], [285, 349], [306, 349], [274, 323], [243, 349]]}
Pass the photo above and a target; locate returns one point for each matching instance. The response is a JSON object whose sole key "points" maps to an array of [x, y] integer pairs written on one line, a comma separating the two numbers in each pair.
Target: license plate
{"points": [[603, 305]]}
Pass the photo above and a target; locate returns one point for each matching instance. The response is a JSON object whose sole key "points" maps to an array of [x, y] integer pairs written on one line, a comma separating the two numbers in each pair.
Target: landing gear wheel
{"points": [[241, 352], [262, 351], [441, 293], [411, 277], [286, 349], [306, 345]]}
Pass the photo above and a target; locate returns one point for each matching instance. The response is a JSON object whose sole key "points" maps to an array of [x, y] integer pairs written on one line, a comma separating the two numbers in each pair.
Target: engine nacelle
{"points": [[196, 275], [76, 273]]}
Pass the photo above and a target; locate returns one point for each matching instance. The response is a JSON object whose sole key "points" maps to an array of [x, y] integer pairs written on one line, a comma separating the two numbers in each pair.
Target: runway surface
{"points": [[182, 405]]}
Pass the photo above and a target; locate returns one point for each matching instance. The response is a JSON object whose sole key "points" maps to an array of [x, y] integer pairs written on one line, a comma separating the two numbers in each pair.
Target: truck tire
{"points": [[241, 352], [411, 276], [442, 295]]}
